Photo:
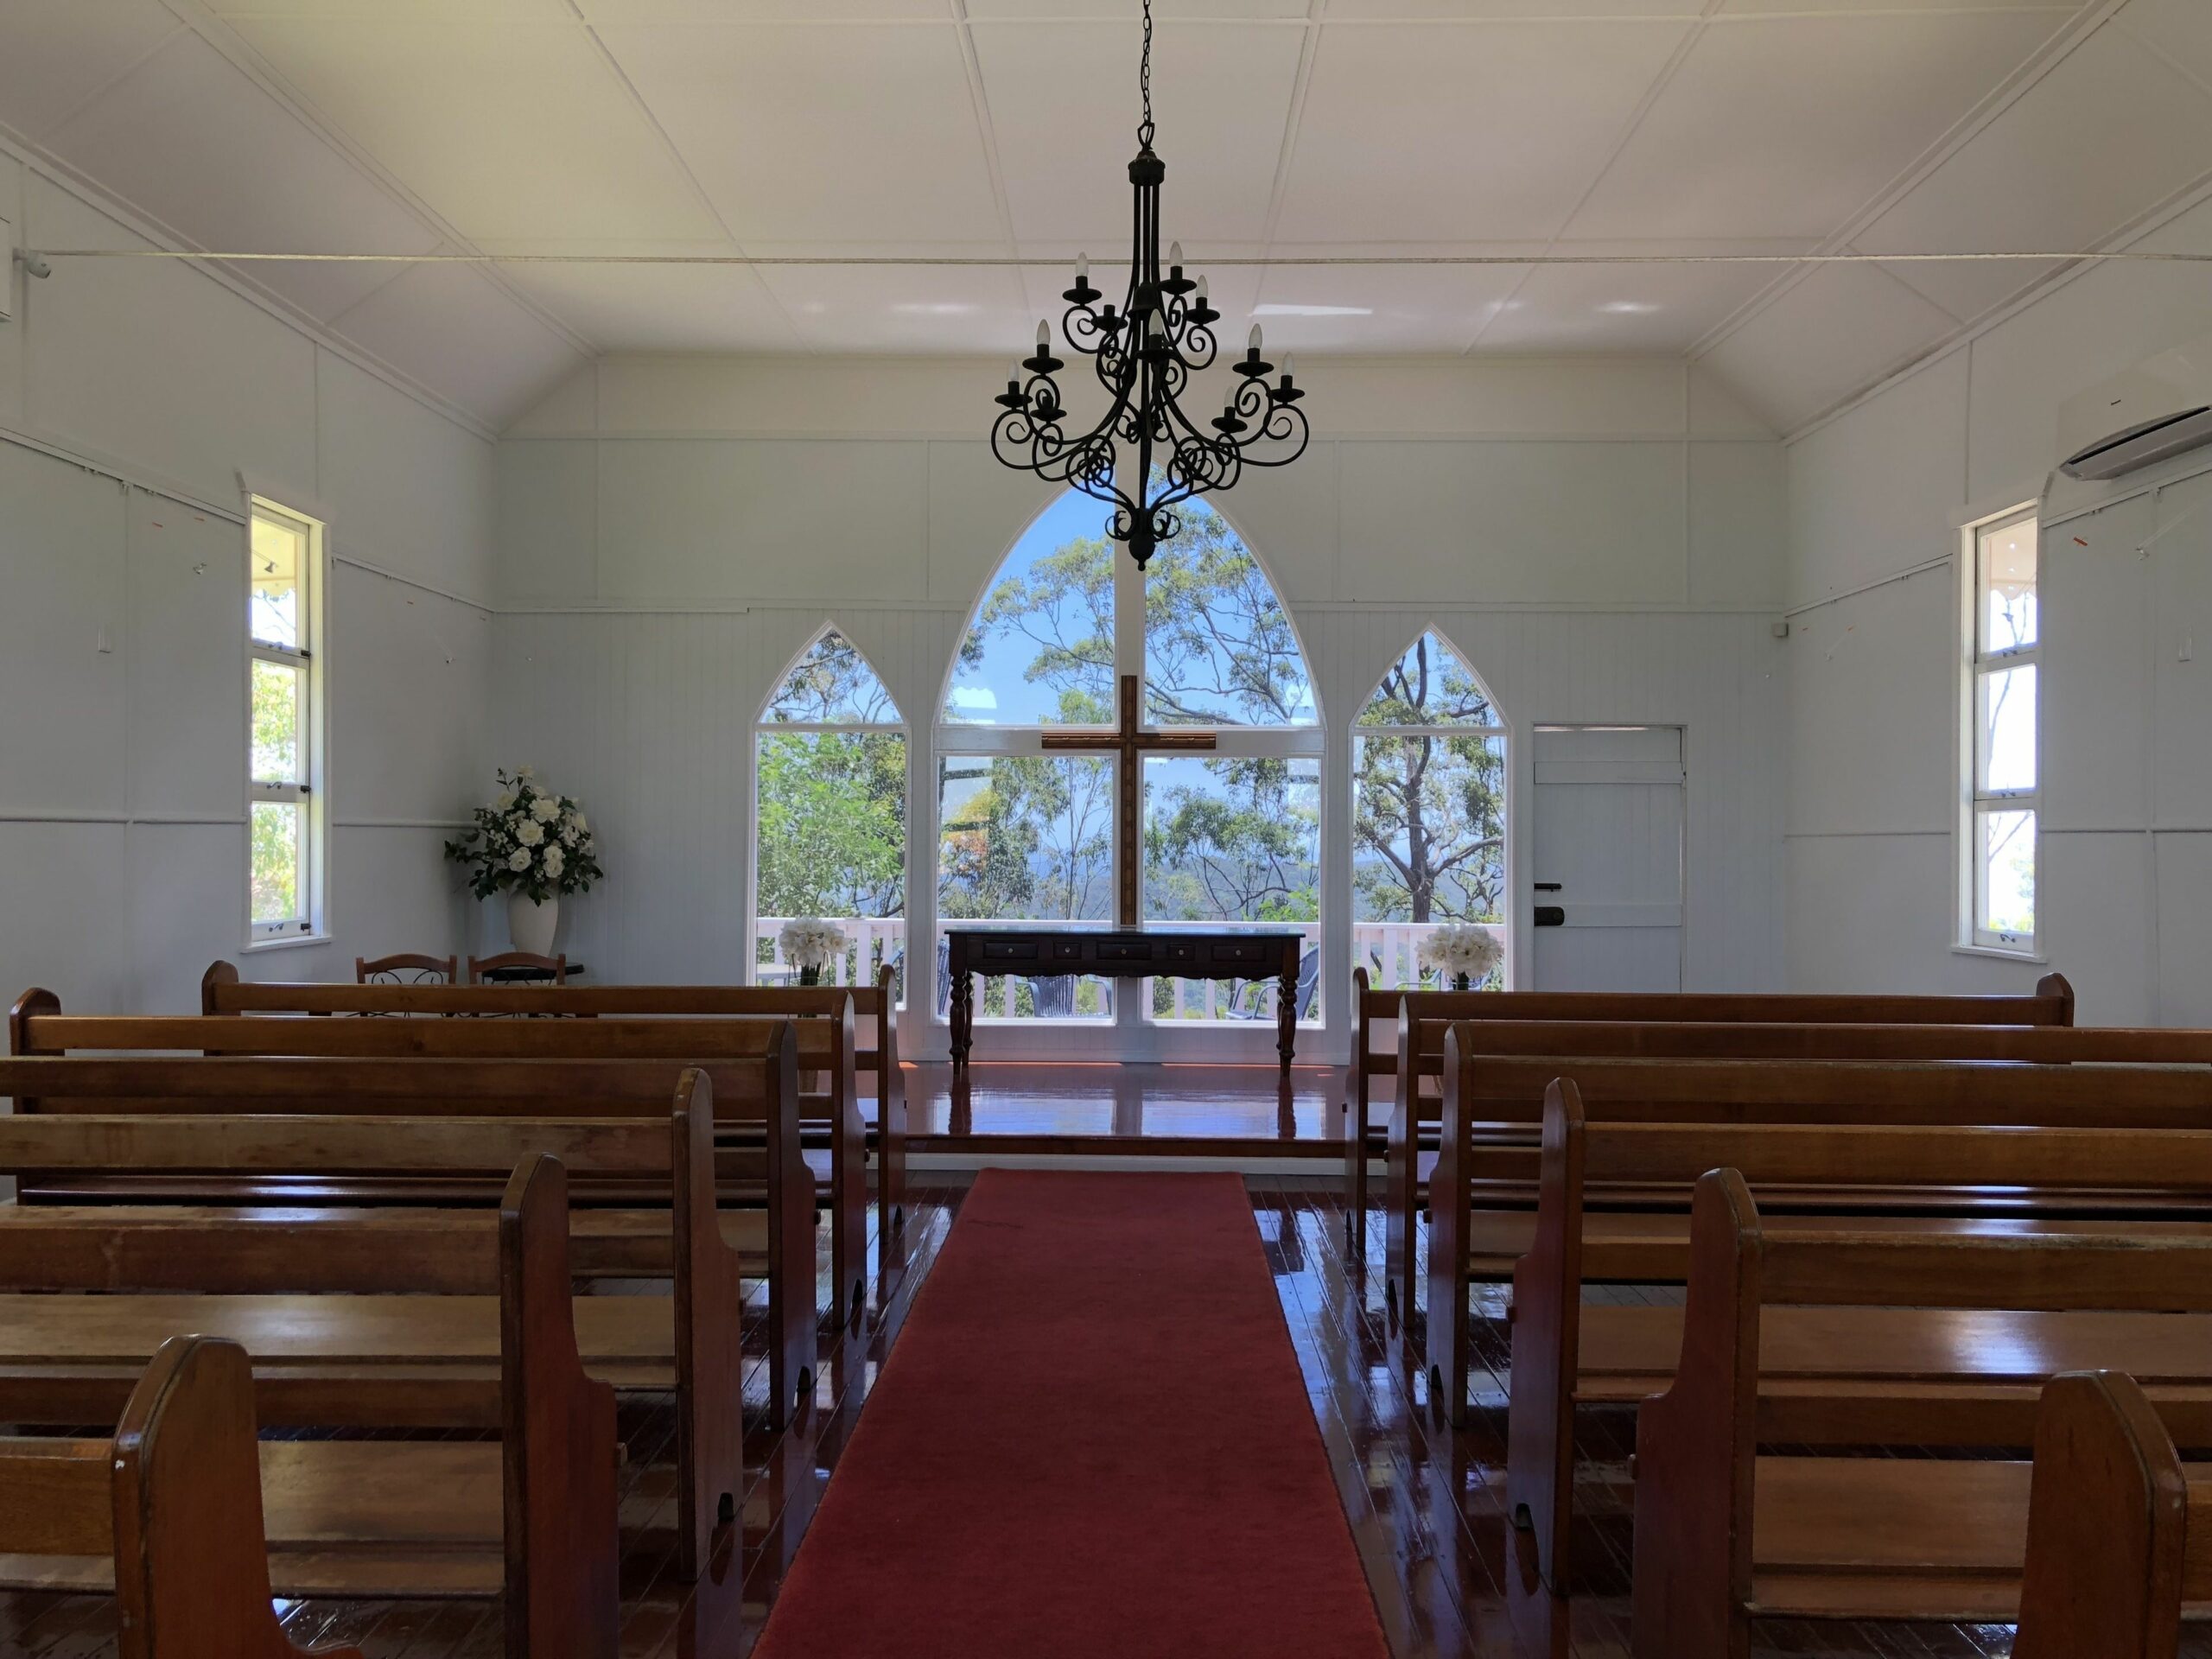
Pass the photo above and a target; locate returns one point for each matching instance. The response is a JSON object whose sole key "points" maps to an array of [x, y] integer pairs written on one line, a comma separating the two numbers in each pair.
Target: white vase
{"points": [[530, 924]]}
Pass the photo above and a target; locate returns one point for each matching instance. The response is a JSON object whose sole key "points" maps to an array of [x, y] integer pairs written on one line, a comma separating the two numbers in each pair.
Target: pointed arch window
{"points": [[1230, 837], [829, 795], [1428, 808]]}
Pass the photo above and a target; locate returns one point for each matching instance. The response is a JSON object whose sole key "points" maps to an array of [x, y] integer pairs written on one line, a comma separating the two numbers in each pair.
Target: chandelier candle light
{"points": [[1144, 355]]}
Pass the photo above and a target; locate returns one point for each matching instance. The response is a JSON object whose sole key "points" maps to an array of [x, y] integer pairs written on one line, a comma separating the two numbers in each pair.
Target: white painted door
{"points": [[1608, 858]]}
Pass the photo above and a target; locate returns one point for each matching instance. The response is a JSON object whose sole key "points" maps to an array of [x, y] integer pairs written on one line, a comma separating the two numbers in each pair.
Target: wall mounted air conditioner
{"points": [[2160, 408]]}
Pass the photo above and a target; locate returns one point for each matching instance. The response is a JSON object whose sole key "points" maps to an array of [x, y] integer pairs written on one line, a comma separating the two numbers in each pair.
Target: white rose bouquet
{"points": [[529, 840], [810, 944], [1466, 951]]}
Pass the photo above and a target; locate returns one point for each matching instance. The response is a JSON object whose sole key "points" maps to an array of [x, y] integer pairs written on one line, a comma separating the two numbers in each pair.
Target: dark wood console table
{"points": [[1121, 953]]}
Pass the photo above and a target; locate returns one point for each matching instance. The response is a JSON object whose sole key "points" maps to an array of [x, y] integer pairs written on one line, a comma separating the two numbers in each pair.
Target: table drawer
{"points": [[1009, 950]]}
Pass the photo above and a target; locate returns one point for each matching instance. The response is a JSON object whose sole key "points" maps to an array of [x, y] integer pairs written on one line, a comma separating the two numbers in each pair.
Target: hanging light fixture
{"points": [[1144, 355]]}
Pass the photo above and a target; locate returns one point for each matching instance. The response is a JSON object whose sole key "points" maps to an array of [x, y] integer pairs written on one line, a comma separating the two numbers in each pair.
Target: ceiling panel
{"points": [[1666, 308], [55, 53], [864, 135], [520, 135], [1444, 133], [1363, 308], [2181, 29], [725, 11], [1064, 100], [194, 142], [2057, 170], [453, 330], [1493, 11], [1835, 8], [1841, 328], [660, 308], [904, 309], [1786, 126]]}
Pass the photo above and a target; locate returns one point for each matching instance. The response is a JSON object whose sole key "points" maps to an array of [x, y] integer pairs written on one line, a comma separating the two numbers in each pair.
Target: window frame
{"points": [[765, 725], [1500, 731], [1978, 667], [307, 790]]}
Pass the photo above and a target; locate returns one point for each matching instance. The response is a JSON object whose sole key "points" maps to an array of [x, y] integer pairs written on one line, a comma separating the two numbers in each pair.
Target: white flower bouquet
{"points": [[1467, 952], [810, 944], [529, 840]]}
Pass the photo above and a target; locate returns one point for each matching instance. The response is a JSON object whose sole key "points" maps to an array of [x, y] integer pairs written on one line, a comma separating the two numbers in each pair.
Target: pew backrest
{"points": [[174, 1499]]}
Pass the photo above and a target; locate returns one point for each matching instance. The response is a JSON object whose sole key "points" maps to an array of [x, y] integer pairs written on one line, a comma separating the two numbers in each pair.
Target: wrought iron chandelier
{"points": [[1144, 355]]}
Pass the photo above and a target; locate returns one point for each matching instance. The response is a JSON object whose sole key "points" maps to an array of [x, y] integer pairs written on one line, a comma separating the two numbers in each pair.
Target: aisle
{"points": [[1092, 1438]]}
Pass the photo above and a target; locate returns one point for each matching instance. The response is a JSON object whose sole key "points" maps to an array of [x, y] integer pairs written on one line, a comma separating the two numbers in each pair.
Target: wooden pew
{"points": [[1562, 1044], [1724, 1535], [530, 1520], [167, 1513], [37, 1027], [874, 1057], [1375, 1014], [1493, 1173], [325, 1138], [1566, 1353], [2116, 1527]]}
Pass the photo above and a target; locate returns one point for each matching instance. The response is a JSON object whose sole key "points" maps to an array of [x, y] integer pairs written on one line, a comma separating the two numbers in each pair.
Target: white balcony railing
{"points": [[1390, 952]]}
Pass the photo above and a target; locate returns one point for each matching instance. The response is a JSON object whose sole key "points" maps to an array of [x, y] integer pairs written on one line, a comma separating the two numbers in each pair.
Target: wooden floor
{"points": [[1425, 1502]]}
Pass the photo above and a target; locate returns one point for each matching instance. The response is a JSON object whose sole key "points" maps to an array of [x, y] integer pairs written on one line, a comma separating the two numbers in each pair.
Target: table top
{"points": [[528, 975]]}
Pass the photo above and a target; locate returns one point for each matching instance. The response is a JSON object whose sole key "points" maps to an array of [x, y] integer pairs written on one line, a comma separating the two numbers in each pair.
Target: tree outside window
{"points": [[1428, 805]]}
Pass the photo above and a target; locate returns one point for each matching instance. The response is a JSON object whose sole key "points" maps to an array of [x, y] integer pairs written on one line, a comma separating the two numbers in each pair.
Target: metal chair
{"points": [[405, 968], [481, 968], [1053, 997], [1309, 981]]}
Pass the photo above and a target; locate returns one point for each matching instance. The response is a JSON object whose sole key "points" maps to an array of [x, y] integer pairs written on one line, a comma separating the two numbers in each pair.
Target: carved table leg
{"points": [[1286, 1011], [963, 1015]]}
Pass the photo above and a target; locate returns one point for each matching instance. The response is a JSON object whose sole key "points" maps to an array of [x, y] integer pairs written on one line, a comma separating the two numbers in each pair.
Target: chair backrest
{"points": [[407, 968], [556, 966]]}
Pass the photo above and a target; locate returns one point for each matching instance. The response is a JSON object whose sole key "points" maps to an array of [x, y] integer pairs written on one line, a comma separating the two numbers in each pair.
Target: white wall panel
{"points": [[1516, 522], [188, 673], [62, 595], [1845, 529], [121, 778], [2095, 682], [2178, 647], [406, 490], [2098, 891], [147, 360], [548, 515], [709, 519], [1738, 494]]}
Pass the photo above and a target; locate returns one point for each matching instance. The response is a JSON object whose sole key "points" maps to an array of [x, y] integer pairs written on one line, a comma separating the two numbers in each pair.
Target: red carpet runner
{"points": [[1091, 1441]]}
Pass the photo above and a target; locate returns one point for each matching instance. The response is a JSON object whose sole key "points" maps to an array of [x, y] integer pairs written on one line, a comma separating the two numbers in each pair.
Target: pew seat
{"points": [[384, 1520], [603, 1243]]}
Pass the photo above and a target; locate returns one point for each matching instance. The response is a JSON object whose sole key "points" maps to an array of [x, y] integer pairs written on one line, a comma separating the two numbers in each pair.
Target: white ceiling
{"points": [[1000, 128]]}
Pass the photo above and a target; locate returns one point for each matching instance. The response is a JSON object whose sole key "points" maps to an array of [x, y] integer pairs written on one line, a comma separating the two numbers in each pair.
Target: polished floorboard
{"points": [[1425, 1502]]}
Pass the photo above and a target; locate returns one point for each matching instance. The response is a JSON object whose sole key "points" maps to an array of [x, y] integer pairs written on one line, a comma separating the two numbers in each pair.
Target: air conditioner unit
{"points": [[2160, 408]]}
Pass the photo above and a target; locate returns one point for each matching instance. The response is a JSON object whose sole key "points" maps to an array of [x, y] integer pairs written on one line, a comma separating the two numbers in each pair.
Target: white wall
{"points": [[133, 396], [1875, 496], [1603, 538]]}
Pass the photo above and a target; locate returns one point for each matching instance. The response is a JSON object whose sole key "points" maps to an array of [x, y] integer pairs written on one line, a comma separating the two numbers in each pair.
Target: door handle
{"points": [[1548, 887]]}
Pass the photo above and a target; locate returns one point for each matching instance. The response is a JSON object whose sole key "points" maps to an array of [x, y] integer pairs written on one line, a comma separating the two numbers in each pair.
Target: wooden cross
{"points": [[1132, 741]]}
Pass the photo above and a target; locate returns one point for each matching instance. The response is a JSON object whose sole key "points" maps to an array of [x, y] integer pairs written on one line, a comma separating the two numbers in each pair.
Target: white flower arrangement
{"points": [[810, 944], [530, 840], [1465, 952]]}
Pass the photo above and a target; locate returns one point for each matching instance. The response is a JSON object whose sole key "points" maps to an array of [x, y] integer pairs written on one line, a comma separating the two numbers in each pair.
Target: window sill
{"points": [[2036, 956], [286, 944]]}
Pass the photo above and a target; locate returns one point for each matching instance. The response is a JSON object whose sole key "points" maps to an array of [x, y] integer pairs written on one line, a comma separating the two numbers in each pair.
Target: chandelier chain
{"points": [[1144, 80]]}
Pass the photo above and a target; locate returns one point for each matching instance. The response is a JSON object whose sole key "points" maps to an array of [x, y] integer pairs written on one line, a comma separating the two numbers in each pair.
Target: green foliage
{"points": [[1428, 830], [530, 840], [832, 824], [1244, 847], [833, 684], [1035, 840], [274, 884], [1064, 606], [1219, 645]]}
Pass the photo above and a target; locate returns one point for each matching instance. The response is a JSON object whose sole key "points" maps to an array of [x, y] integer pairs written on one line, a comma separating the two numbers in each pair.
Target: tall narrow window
{"points": [[283, 725], [2002, 793], [1429, 810], [830, 784]]}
